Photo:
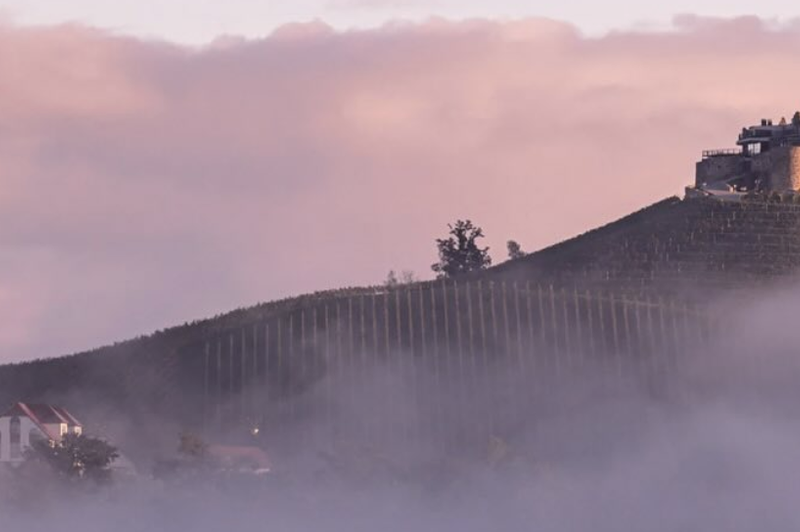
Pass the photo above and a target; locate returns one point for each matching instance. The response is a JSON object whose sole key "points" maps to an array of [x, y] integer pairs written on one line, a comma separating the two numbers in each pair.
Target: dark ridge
{"points": [[173, 337], [680, 251], [749, 242]]}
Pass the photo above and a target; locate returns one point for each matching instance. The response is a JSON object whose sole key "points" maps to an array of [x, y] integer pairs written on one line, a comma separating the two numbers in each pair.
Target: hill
{"points": [[622, 299], [685, 248]]}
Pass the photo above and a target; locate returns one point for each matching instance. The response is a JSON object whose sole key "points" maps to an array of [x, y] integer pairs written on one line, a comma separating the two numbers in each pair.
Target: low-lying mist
{"points": [[719, 451]]}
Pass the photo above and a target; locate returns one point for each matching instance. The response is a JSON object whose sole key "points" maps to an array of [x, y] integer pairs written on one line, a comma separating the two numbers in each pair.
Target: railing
{"points": [[721, 153]]}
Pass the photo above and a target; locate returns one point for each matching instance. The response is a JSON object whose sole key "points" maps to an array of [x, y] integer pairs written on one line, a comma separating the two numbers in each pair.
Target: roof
{"points": [[767, 133], [42, 415]]}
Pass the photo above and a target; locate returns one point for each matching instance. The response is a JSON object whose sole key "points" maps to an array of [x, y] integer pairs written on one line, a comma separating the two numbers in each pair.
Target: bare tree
{"points": [[406, 277], [391, 280]]}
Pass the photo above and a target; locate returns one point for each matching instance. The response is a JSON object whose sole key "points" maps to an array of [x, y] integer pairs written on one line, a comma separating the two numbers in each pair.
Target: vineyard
{"points": [[438, 361], [445, 360]]}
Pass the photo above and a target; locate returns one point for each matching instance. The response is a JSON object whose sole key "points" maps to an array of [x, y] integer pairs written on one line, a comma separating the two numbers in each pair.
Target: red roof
{"points": [[42, 414]]}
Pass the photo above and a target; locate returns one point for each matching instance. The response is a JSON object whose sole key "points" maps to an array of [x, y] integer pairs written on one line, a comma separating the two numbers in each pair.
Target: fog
{"points": [[720, 451]]}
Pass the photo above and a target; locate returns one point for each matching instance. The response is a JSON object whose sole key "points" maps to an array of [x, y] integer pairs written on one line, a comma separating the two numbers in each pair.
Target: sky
{"points": [[145, 183], [201, 21]]}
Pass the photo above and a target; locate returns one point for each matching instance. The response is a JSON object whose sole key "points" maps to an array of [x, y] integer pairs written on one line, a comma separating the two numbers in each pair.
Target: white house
{"points": [[23, 423]]}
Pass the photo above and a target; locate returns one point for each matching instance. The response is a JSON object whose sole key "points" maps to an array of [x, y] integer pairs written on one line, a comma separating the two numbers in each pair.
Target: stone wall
{"points": [[690, 249], [780, 167], [718, 168]]}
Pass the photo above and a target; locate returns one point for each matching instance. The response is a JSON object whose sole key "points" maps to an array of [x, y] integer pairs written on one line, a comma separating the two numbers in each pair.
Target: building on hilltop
{"points": [[767, 159], [23, 423]]}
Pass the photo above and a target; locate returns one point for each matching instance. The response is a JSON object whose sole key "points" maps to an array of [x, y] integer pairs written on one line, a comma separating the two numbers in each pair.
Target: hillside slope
{"points": [[690, 248], [625, 287]]}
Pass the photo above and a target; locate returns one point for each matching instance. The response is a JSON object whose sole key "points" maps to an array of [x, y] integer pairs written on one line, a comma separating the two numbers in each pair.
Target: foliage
{"points": [[76, 456], [192, 446], [796, 119], [391, 280], [406, 277], [191, 462], [514, 250], [459, 253], [497, 451]]}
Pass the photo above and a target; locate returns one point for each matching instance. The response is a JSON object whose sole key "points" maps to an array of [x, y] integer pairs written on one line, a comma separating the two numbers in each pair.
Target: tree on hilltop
{"points": [[514, 250], [391, 280], [459, 253], [406, 277]]}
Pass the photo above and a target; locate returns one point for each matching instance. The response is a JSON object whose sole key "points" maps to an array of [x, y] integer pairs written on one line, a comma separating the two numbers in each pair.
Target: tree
{"points": [[406, 277], [191, 446], [191, 461], [391, 280], [76, 456], [459, 253], [796, 119], [514, 250]]}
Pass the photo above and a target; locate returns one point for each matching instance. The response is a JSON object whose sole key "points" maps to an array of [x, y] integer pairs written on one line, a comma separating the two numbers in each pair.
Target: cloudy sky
{"points": [[201, 21], [146, 181]]}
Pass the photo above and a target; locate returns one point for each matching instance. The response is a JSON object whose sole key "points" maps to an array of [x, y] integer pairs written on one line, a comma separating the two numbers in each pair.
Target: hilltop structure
{"points": [[767, 159]]}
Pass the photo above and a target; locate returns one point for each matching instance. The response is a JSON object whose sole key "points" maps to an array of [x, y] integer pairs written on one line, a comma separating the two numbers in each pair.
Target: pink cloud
{"points": [[144, 184]]}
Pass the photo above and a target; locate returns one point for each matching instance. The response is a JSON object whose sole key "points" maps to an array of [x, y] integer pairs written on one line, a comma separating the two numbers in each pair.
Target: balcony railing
{"points": [[721, 153]]}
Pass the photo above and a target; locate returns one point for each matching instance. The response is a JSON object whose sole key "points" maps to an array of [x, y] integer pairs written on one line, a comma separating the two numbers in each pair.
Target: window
{"points": [[753, 149], [14, 429]]}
